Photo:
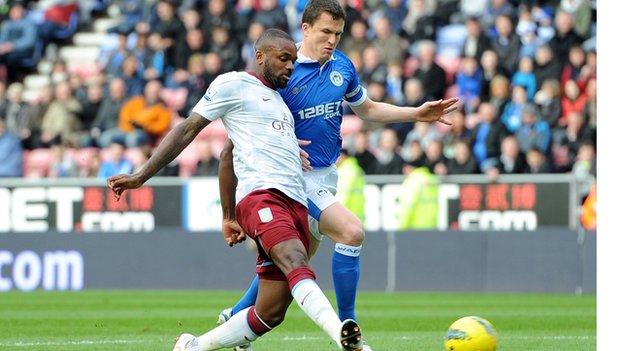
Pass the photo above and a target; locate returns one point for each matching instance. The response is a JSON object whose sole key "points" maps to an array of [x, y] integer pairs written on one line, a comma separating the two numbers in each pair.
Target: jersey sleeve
{"points": [[221, 97], [356, 94]]}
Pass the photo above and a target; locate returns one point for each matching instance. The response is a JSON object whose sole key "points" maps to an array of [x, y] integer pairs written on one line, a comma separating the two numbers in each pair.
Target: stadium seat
{"points": [[89, 39], [36, 163], [36, 81], [174, 98], [351, 125]]}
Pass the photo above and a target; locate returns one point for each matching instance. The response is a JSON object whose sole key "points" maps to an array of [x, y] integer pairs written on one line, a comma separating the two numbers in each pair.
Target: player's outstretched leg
{"points": [[249, 298], [346, 230]]}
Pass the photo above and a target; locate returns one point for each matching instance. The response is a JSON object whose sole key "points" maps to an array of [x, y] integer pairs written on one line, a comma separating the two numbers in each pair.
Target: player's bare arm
{"points": [[430, 111], [171, 146], [232, 231]]}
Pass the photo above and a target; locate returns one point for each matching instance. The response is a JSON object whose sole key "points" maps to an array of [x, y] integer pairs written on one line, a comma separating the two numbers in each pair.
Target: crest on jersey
{"points": [[336, 78]]}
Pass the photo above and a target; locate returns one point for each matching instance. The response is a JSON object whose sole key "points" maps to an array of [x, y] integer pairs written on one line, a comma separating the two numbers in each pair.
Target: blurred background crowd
{"points": [[89, 87]]}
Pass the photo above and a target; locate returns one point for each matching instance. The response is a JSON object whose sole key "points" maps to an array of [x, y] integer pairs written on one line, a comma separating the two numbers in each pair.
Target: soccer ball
{"points": [[471, 334]]}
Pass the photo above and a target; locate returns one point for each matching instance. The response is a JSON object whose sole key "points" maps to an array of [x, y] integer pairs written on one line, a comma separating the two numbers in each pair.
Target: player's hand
{"points": [[434, 111], [305, 157], [233, 233], [122, 182]]}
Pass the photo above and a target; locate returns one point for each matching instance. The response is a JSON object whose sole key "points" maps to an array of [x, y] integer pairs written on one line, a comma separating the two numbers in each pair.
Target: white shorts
{"points": [[320, 188]]}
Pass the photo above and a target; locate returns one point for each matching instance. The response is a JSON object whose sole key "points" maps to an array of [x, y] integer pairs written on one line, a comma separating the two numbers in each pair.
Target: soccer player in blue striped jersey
{"points": [[322, 79]]}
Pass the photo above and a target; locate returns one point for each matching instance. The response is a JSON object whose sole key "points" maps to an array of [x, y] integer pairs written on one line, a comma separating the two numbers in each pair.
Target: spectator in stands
{"points": [[394, 83], [573, 101], [565, 37], [423, 133], [3, 97], [395, 11], [491, 69], [114, 61], [170, 28], [462, 161], [191, 19], [213, 65], [420, 22], [152, 58], [435, 160], [429, 72], [533, 132], [194, 43], [527, 32], [18, 36], [589, 113], [117, 164], [62, 165], [216, 13], [373, 69], [486, 137], [93, 166], [248, 52], [271, 15], [58, 17], [388, 160], [60, 122], [573, 70], [506, 44], [568, 139], [227, 49], [512, 114], [546, 65], [356, 40], [457, 132], [362, 153], [390, 45], [105, 125], [36, 111], [500, 91], [469, 79], [143, 118], [414, 96], [548, 100], [207, 164], [585, 162], [525, 77], [10, 153], [476, 41], [511, 160], [16, 112], [196, 83], [414, 156], [536, 162], [494, 10], [91, 104], [132, 77]]}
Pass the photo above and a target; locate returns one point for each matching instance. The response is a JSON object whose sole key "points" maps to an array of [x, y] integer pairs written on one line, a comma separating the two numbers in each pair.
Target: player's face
{"points": [[279, 63], [323, 36]]}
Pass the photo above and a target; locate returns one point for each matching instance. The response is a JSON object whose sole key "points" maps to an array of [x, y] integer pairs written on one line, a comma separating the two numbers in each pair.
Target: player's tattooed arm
{"points": [[232, 231], [171, 146]]}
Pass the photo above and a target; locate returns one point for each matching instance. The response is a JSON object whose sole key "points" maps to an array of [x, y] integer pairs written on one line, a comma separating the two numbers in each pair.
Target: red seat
{"points": [[36, 163]]}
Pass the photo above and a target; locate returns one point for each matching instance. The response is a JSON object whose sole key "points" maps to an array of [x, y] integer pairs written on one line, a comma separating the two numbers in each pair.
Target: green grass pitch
{"points": [[149, 320]]}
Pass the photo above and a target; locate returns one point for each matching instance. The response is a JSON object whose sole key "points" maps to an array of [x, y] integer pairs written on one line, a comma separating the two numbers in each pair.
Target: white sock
{"points": [[315, 304], [234, 332]]}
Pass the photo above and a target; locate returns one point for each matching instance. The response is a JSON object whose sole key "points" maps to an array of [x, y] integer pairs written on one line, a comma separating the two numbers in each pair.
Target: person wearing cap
{"points": [[533, 132]]}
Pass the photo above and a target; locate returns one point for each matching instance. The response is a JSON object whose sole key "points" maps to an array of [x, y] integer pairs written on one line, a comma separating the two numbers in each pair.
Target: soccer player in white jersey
{"points": [[270, 198], [322, 79]]}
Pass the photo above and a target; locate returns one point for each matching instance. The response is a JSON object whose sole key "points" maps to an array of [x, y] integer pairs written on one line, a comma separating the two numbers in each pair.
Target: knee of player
{"points": [[275, 319], [291, 259], [354, 234]]}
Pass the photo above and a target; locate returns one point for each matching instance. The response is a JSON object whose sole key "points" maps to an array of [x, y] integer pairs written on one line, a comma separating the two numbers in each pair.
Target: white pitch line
{"points": [[66, 343], [373, 337]]}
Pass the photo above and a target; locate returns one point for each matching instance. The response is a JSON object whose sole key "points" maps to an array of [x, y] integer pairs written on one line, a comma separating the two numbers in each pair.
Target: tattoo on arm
{"points": [[173, 144]]}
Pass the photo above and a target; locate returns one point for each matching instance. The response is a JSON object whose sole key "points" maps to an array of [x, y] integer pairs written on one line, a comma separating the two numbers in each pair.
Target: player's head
{"points": [[275, 56], [322, 23]]}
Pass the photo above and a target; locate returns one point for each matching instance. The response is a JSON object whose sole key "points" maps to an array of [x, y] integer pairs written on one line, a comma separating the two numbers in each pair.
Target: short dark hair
{"points": [[269, 36], [315, 8]]}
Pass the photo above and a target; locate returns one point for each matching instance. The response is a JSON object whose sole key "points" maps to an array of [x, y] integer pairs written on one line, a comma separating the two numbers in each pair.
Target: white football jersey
{"points": [[266, 152]]}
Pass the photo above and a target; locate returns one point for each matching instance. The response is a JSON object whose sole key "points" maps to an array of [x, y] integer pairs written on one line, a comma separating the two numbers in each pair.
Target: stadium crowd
{"points": [[525, 71]]}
